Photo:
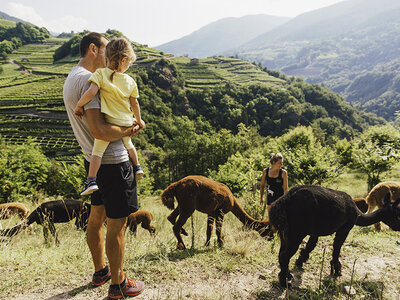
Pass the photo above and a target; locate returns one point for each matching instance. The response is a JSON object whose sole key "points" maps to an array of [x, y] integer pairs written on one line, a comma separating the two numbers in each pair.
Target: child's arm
{"points": [[86, 97], [136, 111]]}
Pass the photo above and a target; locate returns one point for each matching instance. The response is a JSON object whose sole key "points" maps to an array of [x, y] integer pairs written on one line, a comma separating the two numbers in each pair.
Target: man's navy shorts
{"points": [[117, 190]]}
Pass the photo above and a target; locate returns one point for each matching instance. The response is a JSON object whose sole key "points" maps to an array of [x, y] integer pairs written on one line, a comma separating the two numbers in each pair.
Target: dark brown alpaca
{"points": [[319, 211], [57, 211], [7, 210], [207, 196], [143, 217]]}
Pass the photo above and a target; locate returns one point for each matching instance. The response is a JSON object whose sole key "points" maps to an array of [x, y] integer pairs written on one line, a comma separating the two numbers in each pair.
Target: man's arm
{"points": [[102, 130]]}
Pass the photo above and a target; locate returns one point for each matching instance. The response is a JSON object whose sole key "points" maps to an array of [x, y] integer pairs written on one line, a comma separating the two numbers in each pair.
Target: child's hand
{"points": [[141, 124], [79, 112]]}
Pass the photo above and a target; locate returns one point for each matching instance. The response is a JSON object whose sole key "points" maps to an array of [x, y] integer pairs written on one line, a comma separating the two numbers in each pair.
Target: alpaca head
{"points": [[264, 228], [392, 212]]}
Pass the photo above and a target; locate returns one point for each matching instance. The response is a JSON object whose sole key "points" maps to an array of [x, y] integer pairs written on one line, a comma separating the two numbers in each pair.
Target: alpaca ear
{"points": [[386, 200]]}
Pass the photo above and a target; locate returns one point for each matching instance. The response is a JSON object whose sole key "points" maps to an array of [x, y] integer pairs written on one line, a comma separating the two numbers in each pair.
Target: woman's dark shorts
{"points": [[117, 190]]}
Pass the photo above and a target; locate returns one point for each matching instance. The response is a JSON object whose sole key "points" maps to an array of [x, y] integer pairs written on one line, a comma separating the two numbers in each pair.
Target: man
{"points": [[117, 195]]}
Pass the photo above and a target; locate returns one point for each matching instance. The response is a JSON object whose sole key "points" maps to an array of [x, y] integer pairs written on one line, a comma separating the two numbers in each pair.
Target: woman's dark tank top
{"points": [[275, 187]]}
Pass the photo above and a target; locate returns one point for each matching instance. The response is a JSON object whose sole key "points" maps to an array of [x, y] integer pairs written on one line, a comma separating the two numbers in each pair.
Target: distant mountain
{"points": [[11, 18], [222, 35], [351, 47]]}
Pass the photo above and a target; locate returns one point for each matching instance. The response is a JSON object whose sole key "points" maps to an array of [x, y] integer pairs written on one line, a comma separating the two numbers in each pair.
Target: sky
{"points": [[150, 22]]}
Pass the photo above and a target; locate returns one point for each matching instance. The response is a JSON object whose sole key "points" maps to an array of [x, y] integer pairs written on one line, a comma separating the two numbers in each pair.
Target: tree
{"points": [[307, 161], [376, 152]]}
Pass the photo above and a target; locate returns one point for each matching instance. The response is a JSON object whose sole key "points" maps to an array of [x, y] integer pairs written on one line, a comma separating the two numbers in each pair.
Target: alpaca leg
{"points": [[305, 253], [210, 223], [340, 237], [45, 232], [178, 227], [54, 232], [172, 218], [285, 253], [133, 228], [219, 219]]}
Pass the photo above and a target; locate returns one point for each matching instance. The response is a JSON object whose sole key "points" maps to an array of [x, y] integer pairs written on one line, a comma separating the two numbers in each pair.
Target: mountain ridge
{"points": [[222, 35]]}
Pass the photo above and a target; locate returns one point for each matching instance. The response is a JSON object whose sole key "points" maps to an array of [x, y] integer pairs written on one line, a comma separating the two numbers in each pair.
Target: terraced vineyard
{"points": [[210, 72], [31, 103]]}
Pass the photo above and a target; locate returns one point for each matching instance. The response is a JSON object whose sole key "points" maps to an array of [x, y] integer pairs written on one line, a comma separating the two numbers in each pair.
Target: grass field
{"points": [[245, 268]]}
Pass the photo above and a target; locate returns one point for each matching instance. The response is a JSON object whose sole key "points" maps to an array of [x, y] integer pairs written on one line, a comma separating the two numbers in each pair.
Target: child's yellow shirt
{"points": [[114, 95]]}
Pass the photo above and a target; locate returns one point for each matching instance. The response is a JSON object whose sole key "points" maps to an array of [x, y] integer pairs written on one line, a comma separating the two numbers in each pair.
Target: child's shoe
{"points": [[89, 188], [138, 172]]}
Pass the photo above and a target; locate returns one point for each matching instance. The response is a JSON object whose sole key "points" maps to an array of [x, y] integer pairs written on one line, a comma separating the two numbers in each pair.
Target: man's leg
{"points": [[94, 235], [115, 248]]}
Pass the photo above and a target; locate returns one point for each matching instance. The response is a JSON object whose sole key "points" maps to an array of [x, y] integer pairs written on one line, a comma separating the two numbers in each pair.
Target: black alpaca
{"points": [[319, 211], [58, 211]]}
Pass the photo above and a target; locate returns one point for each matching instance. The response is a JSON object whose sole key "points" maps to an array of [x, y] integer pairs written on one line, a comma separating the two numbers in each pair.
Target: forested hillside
{"points": [[351, 47], [199, 112], [14, 35]]}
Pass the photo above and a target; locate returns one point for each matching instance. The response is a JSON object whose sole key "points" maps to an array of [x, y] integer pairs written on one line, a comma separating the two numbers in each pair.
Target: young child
{"points": [[118, 94]]}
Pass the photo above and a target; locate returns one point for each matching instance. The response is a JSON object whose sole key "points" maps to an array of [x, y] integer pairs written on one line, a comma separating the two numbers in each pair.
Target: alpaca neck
{"points": [[243, 217], [372, 218]]}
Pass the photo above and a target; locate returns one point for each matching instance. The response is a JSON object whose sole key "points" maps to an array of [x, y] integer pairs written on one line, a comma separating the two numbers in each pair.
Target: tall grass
{"points": [[245, 268]]}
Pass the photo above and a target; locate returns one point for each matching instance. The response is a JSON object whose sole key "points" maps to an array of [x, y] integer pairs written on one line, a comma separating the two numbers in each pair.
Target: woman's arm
{"points": [[285, 181], [262, 185]]}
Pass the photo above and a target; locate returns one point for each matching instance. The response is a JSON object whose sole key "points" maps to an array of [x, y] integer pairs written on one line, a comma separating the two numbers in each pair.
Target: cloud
{"points": [[67, 23], [62, 24], [25, 13]]}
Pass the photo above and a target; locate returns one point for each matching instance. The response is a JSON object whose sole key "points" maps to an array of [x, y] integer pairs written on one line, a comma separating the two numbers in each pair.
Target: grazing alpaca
{"points": [[58, 211], [378, 193], [7, 210], [141, 216], [207, 196], [319, 211], [361, 204]]}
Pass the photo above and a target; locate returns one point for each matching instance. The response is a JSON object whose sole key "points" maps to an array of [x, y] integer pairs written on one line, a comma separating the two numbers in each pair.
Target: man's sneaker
{"points": [[89, 188], [128, 288], [102, 276], [138, 172]]}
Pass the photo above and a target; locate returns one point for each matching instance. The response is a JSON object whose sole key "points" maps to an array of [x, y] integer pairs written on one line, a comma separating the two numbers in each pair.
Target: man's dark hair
{"points": [[90, 38]]}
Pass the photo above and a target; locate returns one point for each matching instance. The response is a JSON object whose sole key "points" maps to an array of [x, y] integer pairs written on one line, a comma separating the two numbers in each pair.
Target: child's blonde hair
{"points": [[274, 157], [117, 49]]}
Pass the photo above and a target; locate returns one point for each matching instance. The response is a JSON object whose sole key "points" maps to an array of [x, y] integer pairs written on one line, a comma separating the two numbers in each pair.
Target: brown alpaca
{"points": [[361, 204], [141, 216], [7, 210], [209, 197], [377, 194]]}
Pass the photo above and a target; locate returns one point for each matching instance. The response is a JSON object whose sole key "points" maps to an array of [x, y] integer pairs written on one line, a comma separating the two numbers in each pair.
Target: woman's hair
{"points": [[274, 157], [117, 49]]}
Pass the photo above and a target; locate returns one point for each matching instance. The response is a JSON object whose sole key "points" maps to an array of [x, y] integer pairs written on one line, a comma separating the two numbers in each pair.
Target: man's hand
{"points": [[135, 130]]}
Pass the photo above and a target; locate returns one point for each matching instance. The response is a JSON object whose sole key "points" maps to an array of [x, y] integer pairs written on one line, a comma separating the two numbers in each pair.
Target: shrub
{"points": [[23, 169], [66, 179]]}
